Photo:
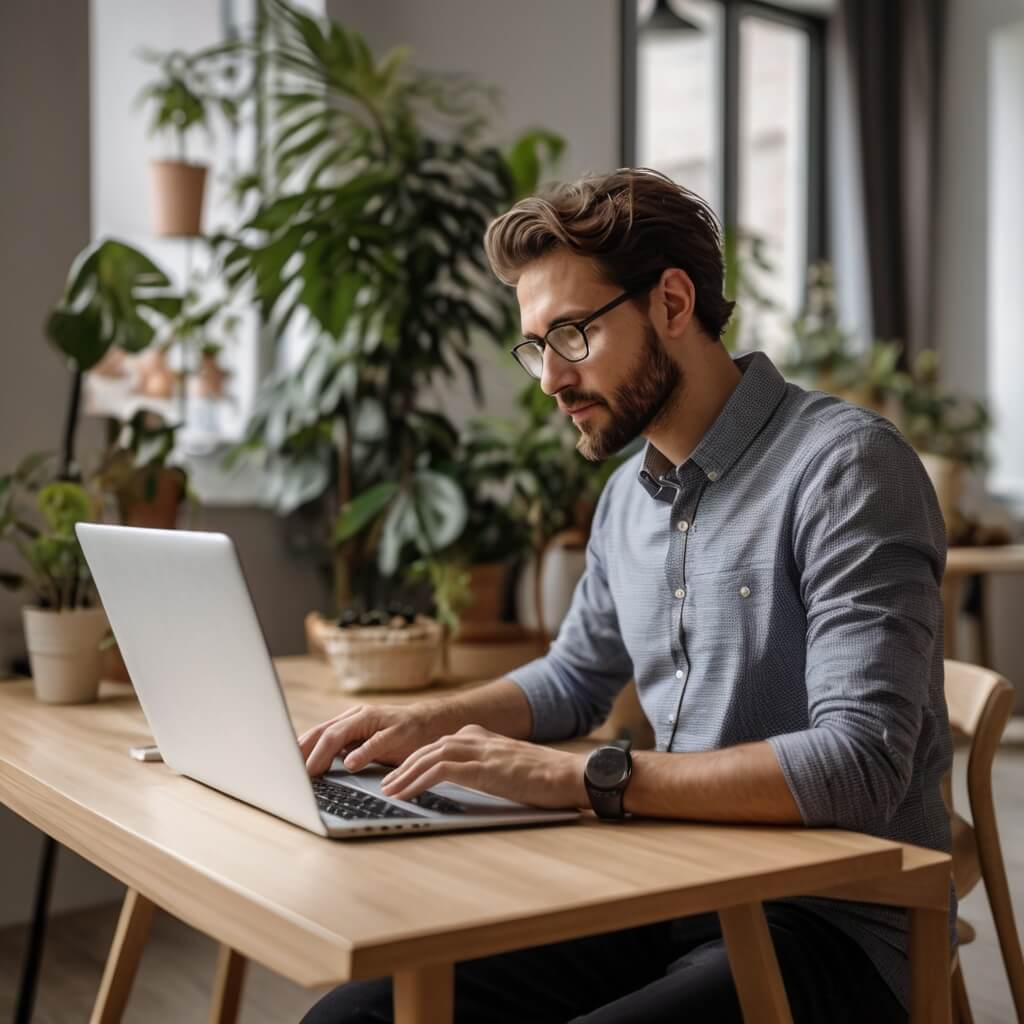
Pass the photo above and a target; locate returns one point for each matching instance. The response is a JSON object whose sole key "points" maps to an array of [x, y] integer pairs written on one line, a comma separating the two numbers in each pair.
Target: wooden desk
{"points": [[962, 562], [322, 912]]}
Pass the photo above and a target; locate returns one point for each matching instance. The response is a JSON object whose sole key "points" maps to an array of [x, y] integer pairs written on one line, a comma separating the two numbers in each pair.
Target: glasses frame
{"points": [[580, 325]]}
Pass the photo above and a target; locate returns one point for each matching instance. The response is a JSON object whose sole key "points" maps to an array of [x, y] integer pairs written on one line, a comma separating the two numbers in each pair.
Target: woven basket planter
{"points": [[383, 657]]}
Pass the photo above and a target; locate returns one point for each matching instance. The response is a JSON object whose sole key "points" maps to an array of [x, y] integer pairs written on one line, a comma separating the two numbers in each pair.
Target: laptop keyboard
{"points": [[353, 803]]}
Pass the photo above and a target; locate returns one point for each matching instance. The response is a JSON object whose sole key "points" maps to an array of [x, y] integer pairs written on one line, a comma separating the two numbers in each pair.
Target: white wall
{"points": [[967, 213]]}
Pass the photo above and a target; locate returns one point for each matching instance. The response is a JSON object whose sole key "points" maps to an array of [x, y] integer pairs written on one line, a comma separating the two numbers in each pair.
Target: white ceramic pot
{"points": [[562, 565], [64, 652]]}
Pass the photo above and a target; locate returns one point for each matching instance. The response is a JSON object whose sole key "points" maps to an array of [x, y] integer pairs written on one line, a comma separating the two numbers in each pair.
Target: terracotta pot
{"points": [[159, 513], [487, 586], [64, 653], [946, 476], [177, 194], [209, 379], [156, 378]]}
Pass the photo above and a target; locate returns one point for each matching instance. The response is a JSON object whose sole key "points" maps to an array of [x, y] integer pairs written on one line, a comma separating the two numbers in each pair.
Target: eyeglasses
{"points": [[569, 340]]}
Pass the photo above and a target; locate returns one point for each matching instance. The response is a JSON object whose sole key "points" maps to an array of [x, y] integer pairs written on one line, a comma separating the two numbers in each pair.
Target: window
{"points": [[725, 97]]}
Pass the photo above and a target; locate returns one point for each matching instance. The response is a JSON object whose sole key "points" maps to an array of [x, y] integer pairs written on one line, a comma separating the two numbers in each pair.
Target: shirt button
{"points": [[679, 673], [744, 591], [713, 475], [683, 526], [671, 719], [680, 593]]}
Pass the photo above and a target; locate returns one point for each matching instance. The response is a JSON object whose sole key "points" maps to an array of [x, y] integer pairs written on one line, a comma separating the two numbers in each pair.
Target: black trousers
{"points": [[676, 971]]}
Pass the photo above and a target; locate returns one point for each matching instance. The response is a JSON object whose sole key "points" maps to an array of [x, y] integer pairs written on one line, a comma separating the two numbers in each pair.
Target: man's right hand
{"points": [[385, 733]]}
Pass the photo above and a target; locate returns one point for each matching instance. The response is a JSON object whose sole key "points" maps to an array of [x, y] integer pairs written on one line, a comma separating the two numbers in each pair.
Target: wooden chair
{"points": [[980, 702]]}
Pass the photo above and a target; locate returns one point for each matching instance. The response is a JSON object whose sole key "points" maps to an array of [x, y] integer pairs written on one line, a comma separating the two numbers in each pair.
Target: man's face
{"points": [[626, 381]]}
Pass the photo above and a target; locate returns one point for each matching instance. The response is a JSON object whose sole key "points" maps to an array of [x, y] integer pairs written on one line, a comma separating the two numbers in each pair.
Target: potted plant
{"points": [[65, 626], [189, 86], [137, 471], [374, 241], [948, 430], [115, 298]]}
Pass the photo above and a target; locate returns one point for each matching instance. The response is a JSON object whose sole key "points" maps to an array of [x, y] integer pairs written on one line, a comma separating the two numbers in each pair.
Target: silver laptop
{"points": [[183, 618]]}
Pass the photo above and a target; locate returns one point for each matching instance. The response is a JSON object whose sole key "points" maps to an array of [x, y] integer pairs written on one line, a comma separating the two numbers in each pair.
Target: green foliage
{"points": [[821, 350], [450, 586], [528, 475], [372, 241], [115, 295], [190, 86], [746, 264], [38, 514], [940, 422]]}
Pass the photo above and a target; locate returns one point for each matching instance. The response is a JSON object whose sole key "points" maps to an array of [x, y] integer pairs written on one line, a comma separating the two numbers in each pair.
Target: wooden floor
{"points": [[175, 977]]}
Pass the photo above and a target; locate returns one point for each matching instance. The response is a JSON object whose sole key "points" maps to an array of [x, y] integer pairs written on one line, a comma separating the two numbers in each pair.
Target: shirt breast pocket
{"points": [[747, 619]]}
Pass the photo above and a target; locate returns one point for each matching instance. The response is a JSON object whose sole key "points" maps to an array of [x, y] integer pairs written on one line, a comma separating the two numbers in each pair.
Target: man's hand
{"points": [[486, 761], [386, 733]]}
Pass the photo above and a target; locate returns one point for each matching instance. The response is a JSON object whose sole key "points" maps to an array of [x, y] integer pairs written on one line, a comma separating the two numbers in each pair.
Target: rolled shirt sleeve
{"points": [[869, 544], [572, 688]]}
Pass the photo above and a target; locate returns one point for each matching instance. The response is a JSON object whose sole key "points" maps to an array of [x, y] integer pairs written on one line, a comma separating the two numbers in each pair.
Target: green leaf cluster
{"points": [[191, 85], [115, 295], [38, 514]]}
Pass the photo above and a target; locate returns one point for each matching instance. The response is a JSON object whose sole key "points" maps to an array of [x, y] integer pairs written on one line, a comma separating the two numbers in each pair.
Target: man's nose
{"points": [[556, 373]]}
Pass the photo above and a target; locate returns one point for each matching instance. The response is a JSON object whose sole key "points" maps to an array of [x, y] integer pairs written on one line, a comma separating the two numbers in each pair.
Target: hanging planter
{"points": [[177, 189]]}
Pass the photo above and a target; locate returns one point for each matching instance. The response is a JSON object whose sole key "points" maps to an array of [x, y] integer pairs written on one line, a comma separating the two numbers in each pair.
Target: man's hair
{"points": [[633, 223]]}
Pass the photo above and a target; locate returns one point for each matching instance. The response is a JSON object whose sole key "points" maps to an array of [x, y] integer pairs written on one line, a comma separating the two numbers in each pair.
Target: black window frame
{"points": [[734, 11]]}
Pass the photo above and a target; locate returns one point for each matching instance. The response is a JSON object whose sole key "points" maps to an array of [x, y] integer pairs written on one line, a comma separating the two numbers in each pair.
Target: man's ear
{"points": [[676, 300]]}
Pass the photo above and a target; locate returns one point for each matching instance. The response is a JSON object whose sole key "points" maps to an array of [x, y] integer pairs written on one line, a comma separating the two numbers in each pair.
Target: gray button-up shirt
{"points": [[781, 584]]}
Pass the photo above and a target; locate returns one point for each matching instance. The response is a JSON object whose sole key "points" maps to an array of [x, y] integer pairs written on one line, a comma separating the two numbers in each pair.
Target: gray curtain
{"points": [[894, 51]]}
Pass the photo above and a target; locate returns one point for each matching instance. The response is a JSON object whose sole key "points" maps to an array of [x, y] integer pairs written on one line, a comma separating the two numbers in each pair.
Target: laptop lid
{"points": [[181, 612]]}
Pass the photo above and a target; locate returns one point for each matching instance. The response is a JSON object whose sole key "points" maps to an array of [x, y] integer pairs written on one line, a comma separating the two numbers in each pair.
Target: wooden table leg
{"points": [[123, 960], [930, 988], [952, 592], [227, 986], [425, 995], [755, 968]]}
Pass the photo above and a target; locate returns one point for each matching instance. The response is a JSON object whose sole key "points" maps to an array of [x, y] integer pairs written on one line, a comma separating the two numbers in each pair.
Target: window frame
{"points": [[734, 11]]}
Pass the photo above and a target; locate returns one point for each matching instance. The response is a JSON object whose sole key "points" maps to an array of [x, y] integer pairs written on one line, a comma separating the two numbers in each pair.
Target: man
{"points": [[768, 571]]}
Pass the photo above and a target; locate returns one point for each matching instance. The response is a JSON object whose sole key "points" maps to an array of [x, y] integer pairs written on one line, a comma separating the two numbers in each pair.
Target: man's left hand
{"points": [[491, 763]]}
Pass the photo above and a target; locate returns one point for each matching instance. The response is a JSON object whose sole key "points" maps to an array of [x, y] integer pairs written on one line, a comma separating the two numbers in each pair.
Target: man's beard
{"points": [[635, 406]]}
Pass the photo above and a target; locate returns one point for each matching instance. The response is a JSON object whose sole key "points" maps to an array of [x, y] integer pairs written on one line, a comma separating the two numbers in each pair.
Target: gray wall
{"points": [[44, 211]]}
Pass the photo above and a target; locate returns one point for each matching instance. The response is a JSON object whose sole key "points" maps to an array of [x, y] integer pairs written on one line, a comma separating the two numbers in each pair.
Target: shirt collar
{"points": [[750, 406]]}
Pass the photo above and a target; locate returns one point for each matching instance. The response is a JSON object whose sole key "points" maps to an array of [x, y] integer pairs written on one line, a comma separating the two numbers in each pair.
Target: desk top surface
{"points": [[321, 911]]}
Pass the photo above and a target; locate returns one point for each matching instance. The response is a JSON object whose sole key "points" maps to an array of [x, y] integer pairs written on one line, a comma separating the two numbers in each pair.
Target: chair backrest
{"points": [[979, 702]]}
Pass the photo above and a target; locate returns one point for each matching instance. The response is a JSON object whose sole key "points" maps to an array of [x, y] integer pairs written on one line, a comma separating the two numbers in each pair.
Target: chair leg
{"points": [[961, 1005], [123, 961], [993, 872], [227, 986]]}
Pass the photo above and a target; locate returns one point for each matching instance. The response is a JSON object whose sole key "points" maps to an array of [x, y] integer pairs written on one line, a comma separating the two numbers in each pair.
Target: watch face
{"points": [[606, 767]]}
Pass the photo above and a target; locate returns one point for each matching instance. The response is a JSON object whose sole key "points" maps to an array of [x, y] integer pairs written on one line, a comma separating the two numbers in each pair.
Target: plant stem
{"points": [[68, 469]]}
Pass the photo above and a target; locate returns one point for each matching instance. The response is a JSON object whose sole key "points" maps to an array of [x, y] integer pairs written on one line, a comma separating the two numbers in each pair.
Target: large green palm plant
{"points": [[372, 239]]}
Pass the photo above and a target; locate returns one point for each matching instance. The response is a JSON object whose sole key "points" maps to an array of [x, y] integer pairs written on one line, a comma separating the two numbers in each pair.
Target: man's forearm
{"points": [[500, 706], [743, 783]]}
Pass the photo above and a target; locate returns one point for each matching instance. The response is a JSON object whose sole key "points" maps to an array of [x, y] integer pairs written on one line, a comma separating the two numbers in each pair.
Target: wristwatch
{"points": [[606, 776]]}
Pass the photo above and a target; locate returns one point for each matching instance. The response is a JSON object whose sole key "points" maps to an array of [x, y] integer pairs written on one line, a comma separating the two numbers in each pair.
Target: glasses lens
{"points": [[568, 342], [531, 358]]}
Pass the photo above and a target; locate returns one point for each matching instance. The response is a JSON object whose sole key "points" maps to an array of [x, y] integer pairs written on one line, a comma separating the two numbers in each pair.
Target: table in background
{"points": [[962, 563]]}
